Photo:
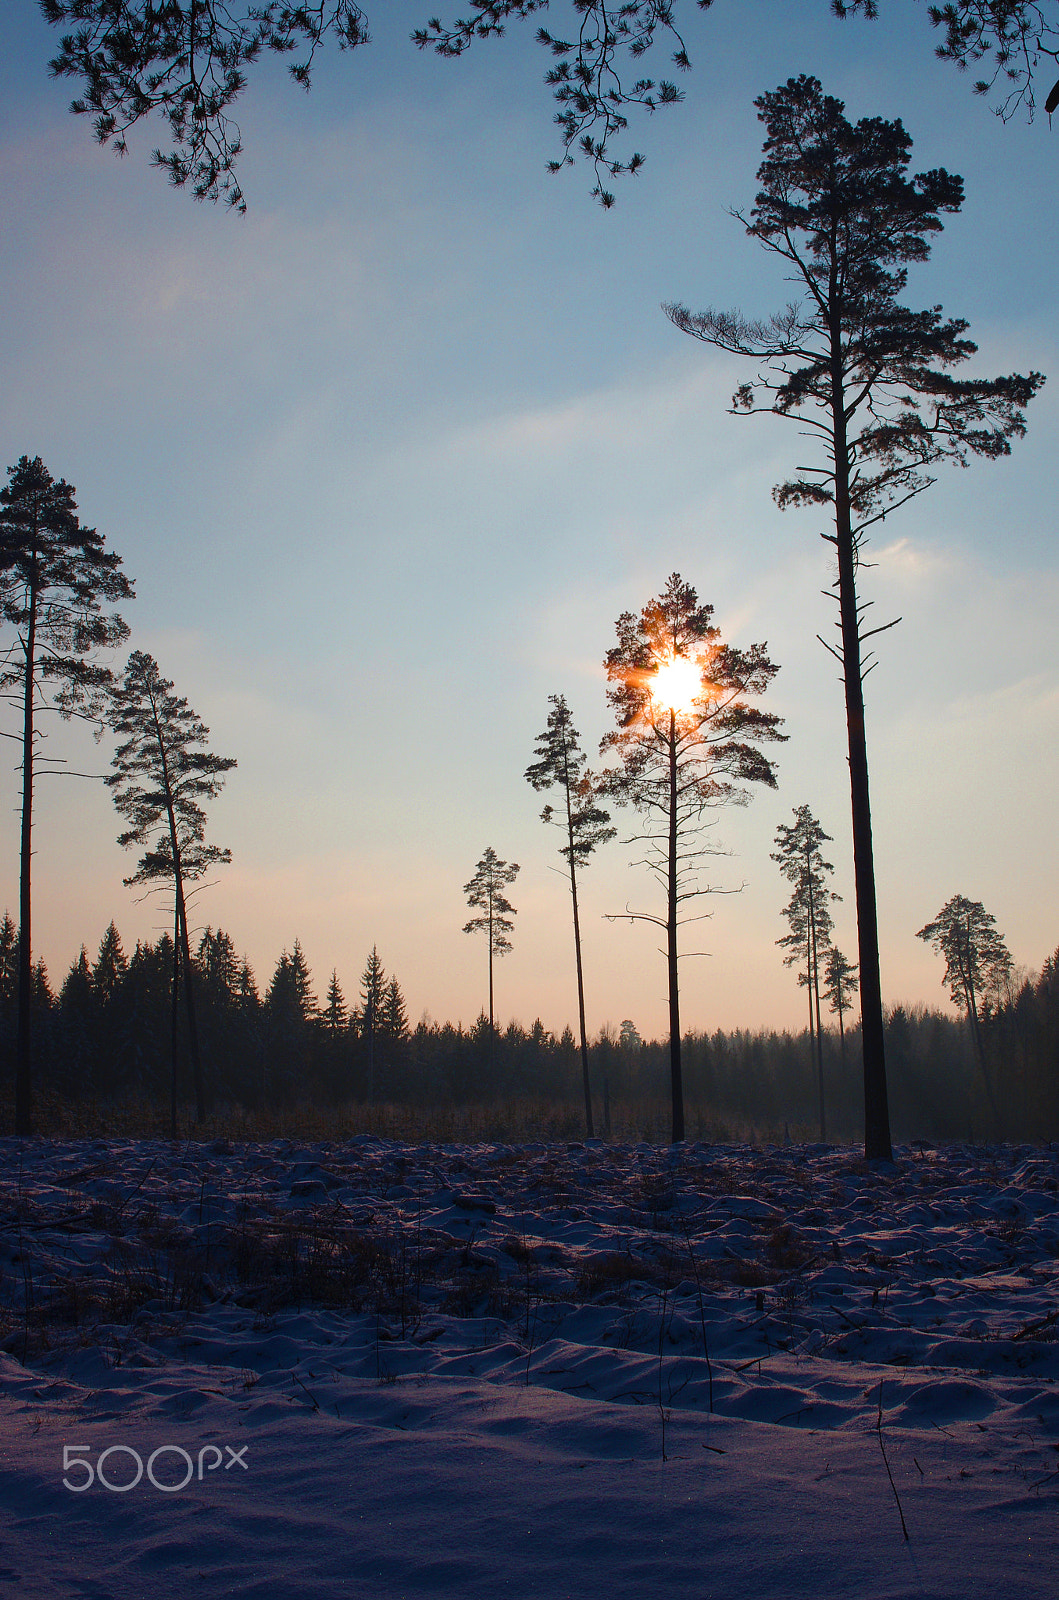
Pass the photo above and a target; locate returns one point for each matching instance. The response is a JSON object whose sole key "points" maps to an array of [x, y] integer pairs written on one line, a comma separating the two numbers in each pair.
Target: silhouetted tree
{"points": [[8, 971], [228, 1040], [290, 1012], [485, 893], [800, 860], [561, 764], [686, 740], [372, 995], [394, 1013], [147, 1000], [188, 60], [629, 1035], [77, 1025], [1013, 33], [840, 985], [870, 378], [163, 771], [218, 963], [55, 578], [110, 966], [976, 958], [335, 1014]]}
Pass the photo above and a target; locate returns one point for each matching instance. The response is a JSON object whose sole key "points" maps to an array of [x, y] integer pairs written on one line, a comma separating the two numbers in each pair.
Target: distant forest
{"points": [[105, 1038]]}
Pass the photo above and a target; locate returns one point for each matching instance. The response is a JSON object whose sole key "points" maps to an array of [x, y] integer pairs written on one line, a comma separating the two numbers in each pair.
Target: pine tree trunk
{"points": [[189, 1003], [174, 1027], [979, 1044], [877, 1144], [182, 926], [671, 944], [371, 1051], [814, 975], [490, 973], [586, 1082], [24, 1048], [577, 955]]}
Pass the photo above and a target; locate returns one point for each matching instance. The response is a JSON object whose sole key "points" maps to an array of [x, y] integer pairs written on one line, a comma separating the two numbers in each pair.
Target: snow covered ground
{"points": [[392, 1371]]}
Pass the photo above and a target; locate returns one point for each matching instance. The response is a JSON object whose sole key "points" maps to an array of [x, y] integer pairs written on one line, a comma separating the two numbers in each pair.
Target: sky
{"points": [[387, 457]]}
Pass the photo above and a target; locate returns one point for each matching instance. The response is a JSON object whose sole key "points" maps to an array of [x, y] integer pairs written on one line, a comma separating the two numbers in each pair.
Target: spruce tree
{"points": [[56, 578], [335, 1012], [394, 1013], [110, 966], [372, 999]]}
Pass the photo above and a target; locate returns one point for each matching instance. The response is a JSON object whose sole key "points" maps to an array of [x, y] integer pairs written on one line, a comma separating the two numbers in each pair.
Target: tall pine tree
{"points": [[561, 765], [870, 377], [801, 861], [485, 894], [56, 578], [163, 772]]}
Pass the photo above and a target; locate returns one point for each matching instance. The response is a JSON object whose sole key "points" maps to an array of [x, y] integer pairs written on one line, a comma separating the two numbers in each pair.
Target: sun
{"points": [[676, 684]]}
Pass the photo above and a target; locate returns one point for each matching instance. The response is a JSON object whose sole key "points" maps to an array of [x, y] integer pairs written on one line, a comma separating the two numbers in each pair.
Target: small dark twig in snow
{"points": [[312, 1397], [886, 1464], [702, 1314]]}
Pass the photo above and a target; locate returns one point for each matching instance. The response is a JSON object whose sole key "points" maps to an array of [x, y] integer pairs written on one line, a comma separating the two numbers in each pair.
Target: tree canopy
{"points": [[977, 961], [188, 61]]}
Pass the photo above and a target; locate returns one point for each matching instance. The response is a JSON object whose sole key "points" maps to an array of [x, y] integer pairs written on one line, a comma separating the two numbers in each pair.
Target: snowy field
{"points": [[391, 1371]]}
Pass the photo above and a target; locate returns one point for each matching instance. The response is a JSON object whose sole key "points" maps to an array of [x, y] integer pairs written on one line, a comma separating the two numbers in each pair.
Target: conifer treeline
{"points": [[106, 1033]]}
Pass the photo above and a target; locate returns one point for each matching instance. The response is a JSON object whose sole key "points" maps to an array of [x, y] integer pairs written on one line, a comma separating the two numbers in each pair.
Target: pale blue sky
{"points": [[387, 457]]}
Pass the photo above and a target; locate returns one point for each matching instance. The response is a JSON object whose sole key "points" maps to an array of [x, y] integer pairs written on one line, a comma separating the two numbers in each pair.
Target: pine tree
{"points": [[800, 860], [686, 741], [870, 377], [188, 60], [561, 764], [485, 893], [163, 772], [976, 958], [840, 985], [55, 579]]}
